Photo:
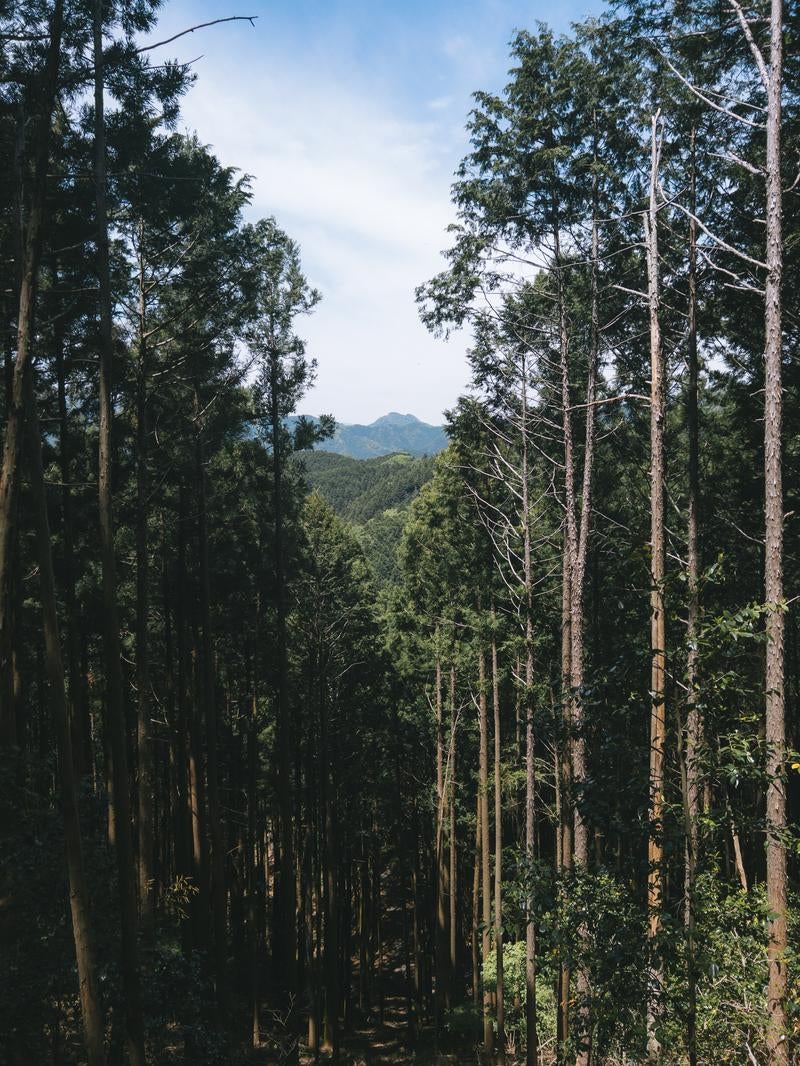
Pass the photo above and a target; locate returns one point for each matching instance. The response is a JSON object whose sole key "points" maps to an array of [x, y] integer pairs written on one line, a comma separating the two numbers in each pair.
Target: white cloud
{"points": [[365, 191]]}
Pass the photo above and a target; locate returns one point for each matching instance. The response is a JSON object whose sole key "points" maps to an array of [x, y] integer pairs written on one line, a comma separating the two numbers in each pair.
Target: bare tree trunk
{"points": [[91, 1009], [113, 654], [532, 1046], [568, 566], [567, 815], [453, 873], [180, 739], [330, 1017], [285, 731], [77, 703], [486, 873], [655, 848], [577, 623], [144, 713], [30, 254], [777, 1033], [440, 935], [498, 855], [218, 884], [252, 836], [694, 725], [476, 901]]}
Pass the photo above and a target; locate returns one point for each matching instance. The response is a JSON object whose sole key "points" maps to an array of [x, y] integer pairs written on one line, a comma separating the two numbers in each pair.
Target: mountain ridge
{"points": [[392, 432]]}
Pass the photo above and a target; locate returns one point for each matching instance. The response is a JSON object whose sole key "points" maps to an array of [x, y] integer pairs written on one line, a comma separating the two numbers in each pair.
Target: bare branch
{"points": [[706, 99], [719, 241], [200, 26], [610, 399], [748, 35]]}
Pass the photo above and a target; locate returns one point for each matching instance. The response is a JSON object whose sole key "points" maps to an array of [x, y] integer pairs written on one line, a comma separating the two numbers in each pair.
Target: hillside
{"points": [[386, 435], [372, 494]]}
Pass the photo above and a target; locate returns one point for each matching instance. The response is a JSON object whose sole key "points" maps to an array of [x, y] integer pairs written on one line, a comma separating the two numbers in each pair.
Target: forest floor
{"points": [[382, 1035]]}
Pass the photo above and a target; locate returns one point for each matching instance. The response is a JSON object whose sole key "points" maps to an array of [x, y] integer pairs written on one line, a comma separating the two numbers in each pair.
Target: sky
{"points": [[349, 115]]}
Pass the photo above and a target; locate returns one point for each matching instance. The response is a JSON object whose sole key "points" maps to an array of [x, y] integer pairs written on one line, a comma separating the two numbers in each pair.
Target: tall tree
{"points": [[280, 294]]}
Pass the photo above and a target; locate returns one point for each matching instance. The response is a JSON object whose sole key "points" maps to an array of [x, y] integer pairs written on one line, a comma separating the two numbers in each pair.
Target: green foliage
{"points": [[514, 989], [361, 489], [730, 943], [374, 495]]}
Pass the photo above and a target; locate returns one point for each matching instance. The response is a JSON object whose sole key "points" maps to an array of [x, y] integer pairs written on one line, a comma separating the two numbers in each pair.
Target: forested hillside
{"points": [[361, 489], [490, 757], [373, 495]]}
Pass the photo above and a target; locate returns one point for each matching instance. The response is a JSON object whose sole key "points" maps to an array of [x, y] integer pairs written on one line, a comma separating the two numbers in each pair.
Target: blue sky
{"points": [[350, 117]]}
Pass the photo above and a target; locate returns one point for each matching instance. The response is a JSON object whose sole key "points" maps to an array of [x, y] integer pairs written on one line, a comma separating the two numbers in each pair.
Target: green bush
{"points": [[731, 963], [514, 993]]}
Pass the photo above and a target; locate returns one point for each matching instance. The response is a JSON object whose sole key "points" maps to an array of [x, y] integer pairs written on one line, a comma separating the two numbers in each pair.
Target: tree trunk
{"points": [[476, 913], [78, 709], [440, 938], [486, 873], [180, 730], [285, 731], [91, 1010], [252, 836], [453, 873], [777, 1033], [532, 1045], [498, 855], [655, 848], [577, 626], [31, 253], [113, 653], [144, 713], [694, 725], [218, 883]]}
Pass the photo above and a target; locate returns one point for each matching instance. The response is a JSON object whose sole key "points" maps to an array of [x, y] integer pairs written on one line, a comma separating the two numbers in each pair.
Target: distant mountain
{"points": [[388, 434]]}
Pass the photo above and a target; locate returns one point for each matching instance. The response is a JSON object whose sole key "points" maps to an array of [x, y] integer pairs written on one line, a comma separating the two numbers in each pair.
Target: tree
{"points": [[279, 294]]}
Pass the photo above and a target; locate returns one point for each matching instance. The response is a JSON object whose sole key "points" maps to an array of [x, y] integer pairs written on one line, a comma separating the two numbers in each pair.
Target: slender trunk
{"points": [[569, 618], [578, 582], [218, 884], [566, 820], [252, 836], [285, 728], [476, 911], [655, 848], [777, 1033], [577, 625], [30, 242], [78, 710], [330, 1018], [532, 1045], [91, 1010], [144, 713], [453, 874], [498, 855], [738, 860], [134, 1026], [416, 915], [694, 726], [180, 732], [440, 939], [486, 874]]}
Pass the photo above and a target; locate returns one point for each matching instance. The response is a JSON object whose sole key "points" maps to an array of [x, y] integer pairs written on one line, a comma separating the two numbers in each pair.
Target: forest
{"points": [[488, 757]]}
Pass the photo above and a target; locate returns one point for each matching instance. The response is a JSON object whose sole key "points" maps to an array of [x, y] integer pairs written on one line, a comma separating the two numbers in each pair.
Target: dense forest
{"points": [[482, 758]]}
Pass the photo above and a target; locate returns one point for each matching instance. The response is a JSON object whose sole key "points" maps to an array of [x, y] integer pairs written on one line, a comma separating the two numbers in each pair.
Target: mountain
{"points": [[389, 433], [373, 495]]}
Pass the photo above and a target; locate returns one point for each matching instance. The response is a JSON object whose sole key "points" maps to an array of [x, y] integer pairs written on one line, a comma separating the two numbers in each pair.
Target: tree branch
{"points": [[201, 25]]}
